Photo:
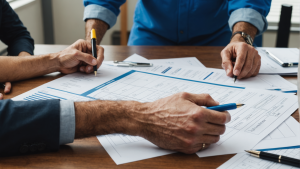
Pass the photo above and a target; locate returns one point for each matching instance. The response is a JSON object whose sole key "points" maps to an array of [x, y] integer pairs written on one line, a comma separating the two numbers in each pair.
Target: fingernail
{"points": [[81, 69], [94, 62], [89, 68], [236, 72], [228, 117], [217, 102]]}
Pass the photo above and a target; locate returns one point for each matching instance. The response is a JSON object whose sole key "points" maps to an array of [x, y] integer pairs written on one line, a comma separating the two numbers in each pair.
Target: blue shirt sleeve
{"points": [[13, 33], [254, 12], [105, 10]]}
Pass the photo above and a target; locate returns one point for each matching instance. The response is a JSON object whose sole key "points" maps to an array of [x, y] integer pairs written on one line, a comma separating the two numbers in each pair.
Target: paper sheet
{"points": [[286, 135], [268, 66], [245, 161], [182, 62], [263, 112], [286, 55], [272, 82]]}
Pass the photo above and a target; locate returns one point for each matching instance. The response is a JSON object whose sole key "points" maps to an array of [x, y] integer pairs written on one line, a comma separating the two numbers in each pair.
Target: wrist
{"points": [[53, 60], [237, 38], [107, 117]]}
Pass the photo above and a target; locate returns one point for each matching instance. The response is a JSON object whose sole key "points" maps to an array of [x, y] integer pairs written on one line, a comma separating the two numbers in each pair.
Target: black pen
{"points": [[275, 158], [94, 48], [234, 78], [2, 85]]}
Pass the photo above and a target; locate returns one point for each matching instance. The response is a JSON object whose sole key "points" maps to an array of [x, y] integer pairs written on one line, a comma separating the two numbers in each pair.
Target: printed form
{"points": [[264, 110], [286, 135], [245, 161], [270, 82]]}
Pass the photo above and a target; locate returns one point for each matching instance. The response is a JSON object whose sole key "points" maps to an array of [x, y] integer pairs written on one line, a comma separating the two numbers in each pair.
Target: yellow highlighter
{"points": [[94, 48]]}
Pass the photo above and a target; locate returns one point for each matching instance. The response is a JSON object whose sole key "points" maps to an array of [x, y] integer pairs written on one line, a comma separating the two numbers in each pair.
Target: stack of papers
{"points": [[264, 121], [245, 161], [193, 69], [269, 66]]}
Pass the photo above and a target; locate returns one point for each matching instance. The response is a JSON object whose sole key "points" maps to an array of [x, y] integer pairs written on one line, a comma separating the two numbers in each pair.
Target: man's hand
{"points": [[179, 123], [239, 58], [78, 57]]}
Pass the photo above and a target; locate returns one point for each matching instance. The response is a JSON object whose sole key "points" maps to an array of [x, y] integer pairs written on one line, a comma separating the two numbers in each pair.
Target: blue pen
{"points": [[225, 107]]}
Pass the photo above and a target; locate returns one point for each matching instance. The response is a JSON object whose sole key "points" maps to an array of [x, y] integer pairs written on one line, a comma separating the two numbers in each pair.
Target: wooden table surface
{"points": [[88, 153]]}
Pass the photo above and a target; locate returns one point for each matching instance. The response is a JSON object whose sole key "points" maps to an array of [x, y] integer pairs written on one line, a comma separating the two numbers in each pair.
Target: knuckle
{"points": [[188, 143], [206, 96], [248, 67], [76, 53], [244, 45], [183, 95], [192, 129]]}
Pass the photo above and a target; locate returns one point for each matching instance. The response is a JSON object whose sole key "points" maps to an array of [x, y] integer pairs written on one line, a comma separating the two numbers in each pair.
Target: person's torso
{"points": [[182, 20]]}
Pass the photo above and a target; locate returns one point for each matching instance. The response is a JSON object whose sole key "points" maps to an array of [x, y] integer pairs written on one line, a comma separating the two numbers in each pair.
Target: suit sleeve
{"points": [[13, 33], [29, 126], [105, 10], [251, 11]]}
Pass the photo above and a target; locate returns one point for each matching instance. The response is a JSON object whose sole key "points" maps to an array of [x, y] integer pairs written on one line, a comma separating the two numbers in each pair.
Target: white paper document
{"points": [[245, 161], [263, 111], [286, 55], [286, 135], [271, 82], [182, 62], [269, 66]]}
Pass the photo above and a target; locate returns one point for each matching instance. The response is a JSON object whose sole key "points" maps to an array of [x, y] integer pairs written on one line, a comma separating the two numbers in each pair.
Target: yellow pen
{"points": [[94, 48]]}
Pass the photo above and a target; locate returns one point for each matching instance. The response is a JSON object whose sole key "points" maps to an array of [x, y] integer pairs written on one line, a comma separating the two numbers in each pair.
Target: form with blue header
{"points": [[263, 112]]}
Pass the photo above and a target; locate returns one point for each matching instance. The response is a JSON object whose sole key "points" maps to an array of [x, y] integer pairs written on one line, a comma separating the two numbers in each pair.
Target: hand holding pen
{"points": [[246, 58]]}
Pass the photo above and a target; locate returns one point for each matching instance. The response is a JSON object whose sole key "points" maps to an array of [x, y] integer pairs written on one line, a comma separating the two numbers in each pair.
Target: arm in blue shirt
{"points": [[12, 31], [105, 10], [254, 12]]}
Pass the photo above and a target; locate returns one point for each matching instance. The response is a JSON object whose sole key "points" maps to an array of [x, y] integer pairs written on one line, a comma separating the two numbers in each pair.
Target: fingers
{"points": [[1, 96], [87, 58], [241, 52], [227, 62], [213, 129], [100, 55], [7, 87], [216, 117], [201, 99]]}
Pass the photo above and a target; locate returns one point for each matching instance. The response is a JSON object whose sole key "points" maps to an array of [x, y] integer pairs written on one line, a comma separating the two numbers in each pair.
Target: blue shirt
{"points": [[183, 22]]}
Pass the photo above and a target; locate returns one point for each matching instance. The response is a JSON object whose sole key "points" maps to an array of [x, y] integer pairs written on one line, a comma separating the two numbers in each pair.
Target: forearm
{"points": [[19, 68], [243, 27], [100, 27], [107, 117]]}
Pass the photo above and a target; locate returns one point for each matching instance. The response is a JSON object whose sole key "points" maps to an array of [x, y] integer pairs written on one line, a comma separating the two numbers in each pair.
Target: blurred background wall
{"points": [[68, 25]]}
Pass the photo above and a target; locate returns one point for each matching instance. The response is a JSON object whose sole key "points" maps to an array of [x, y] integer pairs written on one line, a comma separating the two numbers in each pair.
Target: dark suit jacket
{"points": [[29, 126], [12, 31]]}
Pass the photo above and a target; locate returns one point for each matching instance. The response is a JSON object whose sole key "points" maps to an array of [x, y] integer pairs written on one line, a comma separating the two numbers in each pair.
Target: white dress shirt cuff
{"points": [[67, 122], [251, 16], [101, 13]]}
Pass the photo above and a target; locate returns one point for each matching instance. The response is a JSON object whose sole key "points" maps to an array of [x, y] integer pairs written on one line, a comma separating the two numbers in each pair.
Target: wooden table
{"points": [[88, 153]]}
